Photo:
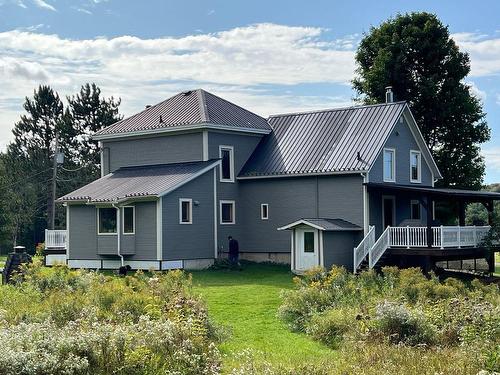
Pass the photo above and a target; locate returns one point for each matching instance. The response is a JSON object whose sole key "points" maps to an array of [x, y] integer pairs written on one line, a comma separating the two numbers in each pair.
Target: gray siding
{"points": [[154, 150], [338, 248], [403, 201], [403, 141], [244, 145], [290, 199], [190, 241], [85, 243]]}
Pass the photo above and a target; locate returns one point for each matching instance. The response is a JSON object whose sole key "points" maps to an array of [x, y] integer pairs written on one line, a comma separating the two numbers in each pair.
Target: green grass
{"points": [[247, 301]]}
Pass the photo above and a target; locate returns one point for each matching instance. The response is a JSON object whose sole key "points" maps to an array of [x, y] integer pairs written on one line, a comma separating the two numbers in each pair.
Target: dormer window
{"points": [[389, 165], [226, 154], [415, 166]]}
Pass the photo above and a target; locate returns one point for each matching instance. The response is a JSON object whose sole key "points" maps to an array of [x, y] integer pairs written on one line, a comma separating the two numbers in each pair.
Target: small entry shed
{"points": [[322, 242]]}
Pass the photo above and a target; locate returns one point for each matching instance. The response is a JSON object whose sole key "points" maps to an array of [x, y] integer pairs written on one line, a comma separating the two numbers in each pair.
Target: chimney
{"points": [[148, 106], [389, 95]]}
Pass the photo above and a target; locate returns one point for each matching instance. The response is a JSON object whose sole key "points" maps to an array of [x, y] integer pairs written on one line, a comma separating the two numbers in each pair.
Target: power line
{"points": [[27, 178]]}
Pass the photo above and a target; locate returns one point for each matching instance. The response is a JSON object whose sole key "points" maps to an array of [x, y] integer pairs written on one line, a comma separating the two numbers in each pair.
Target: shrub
{"points": [[331, 326], [401, 325]]}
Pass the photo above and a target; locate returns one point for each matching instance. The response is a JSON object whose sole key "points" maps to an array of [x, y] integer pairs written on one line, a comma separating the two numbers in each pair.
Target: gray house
{"points": [[344, 186]]}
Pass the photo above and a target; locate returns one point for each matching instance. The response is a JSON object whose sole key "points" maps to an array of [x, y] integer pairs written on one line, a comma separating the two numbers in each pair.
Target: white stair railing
{"points": [[361, 251], [55, 238], [379, 248]]}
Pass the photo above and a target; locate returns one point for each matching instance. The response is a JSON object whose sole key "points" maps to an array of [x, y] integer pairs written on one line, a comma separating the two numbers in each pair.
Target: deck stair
{"points": [[372, 252]]}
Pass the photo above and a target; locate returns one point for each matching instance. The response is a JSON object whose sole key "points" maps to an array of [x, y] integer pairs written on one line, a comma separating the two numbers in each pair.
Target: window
{"points": [[226, 153], [264, 211], [227, 212], [389, 165], [106, 217], [415, 162], [185, 211], [308, 242], [128, 220], [415, 210]]}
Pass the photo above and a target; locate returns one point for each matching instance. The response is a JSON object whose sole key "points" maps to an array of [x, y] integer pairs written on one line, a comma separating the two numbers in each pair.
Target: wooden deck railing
{"points": [[55, 239], [416, 237]]}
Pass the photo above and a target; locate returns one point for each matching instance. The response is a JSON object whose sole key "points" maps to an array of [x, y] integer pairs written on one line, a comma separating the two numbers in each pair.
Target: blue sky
{"points": [[268, 56]]}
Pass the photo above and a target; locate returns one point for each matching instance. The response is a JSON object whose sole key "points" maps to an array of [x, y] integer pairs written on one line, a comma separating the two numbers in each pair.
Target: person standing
{"points": [[234, 251]]}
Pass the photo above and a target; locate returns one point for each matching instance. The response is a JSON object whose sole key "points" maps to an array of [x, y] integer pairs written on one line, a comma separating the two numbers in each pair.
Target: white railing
{"points": [[416, 237], [379, 248], [408, 237], [55, 239], [361, 251], [456, 236]]}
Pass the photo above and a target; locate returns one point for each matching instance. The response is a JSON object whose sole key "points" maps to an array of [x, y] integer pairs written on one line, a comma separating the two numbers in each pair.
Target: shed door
{"points": [[306, 248]]}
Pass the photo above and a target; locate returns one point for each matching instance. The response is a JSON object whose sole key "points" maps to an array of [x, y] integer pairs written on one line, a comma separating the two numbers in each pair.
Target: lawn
{"points": [[247, 301]]}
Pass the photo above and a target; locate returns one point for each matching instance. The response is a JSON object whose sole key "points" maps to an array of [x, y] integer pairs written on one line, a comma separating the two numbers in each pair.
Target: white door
{"points": [[306, 248]]}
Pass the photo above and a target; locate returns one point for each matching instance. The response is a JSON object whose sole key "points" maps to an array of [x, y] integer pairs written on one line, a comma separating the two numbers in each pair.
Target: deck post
{"points": [[429, 221], [461, 213], [407, 236], [491, 260]]}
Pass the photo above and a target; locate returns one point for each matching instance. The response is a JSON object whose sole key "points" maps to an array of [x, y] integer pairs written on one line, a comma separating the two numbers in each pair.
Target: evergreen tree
{"points": [[415, 55]]}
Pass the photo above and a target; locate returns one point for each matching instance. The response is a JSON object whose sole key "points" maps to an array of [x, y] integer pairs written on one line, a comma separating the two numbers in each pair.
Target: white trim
{"points": [[321, 251], [412, 202], [393, 151], [159, 229], [194, 176], [67, 231], [99, 224], [101, 156], [205, 145], [266, 217], [221, 202], [52, 259], [419, 167], [366, 206], [292, 250], [215, 216], [393, 198], [123, 221], [231, 163], [301, 175], [190, 201], [204, 125]]}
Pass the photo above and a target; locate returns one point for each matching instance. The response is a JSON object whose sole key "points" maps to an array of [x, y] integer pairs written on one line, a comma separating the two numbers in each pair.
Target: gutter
{"points": [[118, 229]]}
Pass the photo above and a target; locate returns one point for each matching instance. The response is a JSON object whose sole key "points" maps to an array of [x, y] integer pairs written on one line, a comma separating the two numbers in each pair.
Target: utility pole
{"points": [[54, 184]]}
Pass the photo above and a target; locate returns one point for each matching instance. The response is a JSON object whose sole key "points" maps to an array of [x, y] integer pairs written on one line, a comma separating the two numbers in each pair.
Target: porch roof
{"points": [[324, 224], [150, 181], [437, 192]]}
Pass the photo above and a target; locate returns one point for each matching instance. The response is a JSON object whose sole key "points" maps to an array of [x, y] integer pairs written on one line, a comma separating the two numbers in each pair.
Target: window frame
{"points": [[262, 217], [393, 151], [99, 233], [123, 220], [417, 202], [419, 166], [233, 203], [231, 163], [190, 201]]}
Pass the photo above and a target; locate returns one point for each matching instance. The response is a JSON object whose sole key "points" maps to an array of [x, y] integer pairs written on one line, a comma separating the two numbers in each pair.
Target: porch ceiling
{"points": [[467, 195]]}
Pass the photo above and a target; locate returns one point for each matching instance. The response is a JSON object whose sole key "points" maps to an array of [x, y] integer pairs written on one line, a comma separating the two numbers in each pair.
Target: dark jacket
{"points": [[233, 246]]}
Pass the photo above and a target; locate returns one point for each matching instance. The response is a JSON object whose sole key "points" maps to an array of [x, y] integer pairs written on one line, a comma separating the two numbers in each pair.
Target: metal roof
{"points": [[324, 141], [324, 224], [455, 193], [196, 107], [139, 182]]}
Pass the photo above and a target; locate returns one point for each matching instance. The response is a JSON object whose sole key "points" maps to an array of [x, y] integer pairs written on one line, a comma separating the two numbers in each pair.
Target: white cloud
{"points": [[492, 158], [480, 94], [237, 64], [83, 10], [44, 5], [484, 52]]}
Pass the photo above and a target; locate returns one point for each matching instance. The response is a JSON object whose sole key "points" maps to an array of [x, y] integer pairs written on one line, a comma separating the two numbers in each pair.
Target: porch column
{"points": [[461, 212], [491, 256], [429, 221]]}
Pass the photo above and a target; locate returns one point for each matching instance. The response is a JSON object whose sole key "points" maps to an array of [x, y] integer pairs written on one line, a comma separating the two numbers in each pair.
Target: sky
{"points": [[268, 56]]}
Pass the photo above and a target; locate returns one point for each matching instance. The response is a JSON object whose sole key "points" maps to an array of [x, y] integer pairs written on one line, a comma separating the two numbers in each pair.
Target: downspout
{"points": [[118, 229]]}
